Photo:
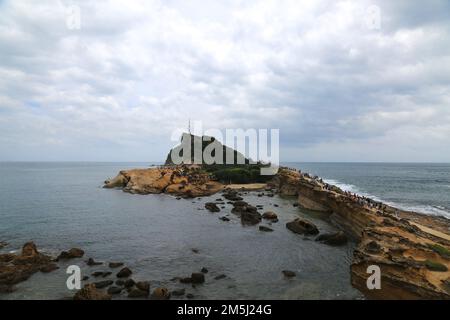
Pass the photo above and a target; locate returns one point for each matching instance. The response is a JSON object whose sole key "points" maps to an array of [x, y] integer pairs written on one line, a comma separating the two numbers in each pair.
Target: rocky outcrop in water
{"points": [[184, 180], [17, 268], [411, 249]]}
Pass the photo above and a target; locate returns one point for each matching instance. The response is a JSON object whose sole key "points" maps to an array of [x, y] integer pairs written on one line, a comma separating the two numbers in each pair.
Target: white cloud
{"points": [[116, 88]]}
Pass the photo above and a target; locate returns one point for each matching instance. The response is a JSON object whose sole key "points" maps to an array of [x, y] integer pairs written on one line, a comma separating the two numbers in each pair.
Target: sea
{"points": [[60, 205]]}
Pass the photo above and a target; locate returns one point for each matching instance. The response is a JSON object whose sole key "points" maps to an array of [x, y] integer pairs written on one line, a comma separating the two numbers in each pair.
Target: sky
{"points": [[112, 80]]}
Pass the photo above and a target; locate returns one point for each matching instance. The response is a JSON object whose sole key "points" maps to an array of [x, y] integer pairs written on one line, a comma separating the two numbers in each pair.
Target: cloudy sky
{"points": [[341, 82]]}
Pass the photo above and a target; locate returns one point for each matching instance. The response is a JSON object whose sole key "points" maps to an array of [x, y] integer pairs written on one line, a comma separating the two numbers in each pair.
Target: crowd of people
{"points": [[361, 200]]}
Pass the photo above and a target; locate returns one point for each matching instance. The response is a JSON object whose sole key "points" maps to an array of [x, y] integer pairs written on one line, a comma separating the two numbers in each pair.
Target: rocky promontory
{"points": [[411, 249], [184, 180]]}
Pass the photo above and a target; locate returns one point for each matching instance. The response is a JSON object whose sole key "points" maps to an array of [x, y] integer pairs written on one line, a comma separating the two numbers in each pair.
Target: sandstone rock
{"points": [[71, 254], [160, 294], [270, 215], [29, 250], [124, 273], [143, 285], [90, 292], [333, 239], [302, 226]]}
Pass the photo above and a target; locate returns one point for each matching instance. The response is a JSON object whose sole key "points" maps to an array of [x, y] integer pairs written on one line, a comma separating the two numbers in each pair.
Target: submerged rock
{"points": [[124, 273], [114, 265], [302, 226], [114, 290], [265, 229], [289, 273], [92, 262], [333, 239], [198, 278], [143, 285], [179, 292], [212, 207], [220, 276], [103, 284]]}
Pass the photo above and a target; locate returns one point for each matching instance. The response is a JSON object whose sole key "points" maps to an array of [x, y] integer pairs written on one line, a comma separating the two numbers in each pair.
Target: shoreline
{"points": [[392, 238]]}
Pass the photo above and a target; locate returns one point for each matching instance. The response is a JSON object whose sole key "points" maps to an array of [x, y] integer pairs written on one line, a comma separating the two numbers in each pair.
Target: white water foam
{"points": [[427, 209]]}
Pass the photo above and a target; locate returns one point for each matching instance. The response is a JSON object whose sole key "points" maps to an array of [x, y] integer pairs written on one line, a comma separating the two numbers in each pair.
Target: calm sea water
{"points": [[62, 205]]}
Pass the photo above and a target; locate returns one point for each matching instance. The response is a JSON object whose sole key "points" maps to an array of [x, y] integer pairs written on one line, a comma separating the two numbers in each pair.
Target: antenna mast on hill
{"points": [[189, 126]]}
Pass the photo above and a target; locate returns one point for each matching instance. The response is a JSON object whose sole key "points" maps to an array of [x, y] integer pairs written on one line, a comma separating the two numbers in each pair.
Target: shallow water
{"points": [[62, 205]]}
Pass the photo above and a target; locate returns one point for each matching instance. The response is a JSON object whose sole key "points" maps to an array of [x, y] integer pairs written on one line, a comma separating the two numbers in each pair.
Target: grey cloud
{"points": [[116, 88]]}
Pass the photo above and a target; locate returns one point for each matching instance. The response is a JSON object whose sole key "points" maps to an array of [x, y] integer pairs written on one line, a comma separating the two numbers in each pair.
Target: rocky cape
{"points": [[411, 249], [184, 180]]}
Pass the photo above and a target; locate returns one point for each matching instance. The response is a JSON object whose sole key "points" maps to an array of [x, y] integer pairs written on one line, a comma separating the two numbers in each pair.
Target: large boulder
{"points": [[250, 217], [90, 292], [270, 215], [160, 294], [124, 273], [71, 254], [302, 226]]}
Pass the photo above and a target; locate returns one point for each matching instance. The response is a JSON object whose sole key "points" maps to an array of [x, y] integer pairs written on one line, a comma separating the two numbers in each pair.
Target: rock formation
{"points": [[17, 268], [185, 181], [411, 249]]}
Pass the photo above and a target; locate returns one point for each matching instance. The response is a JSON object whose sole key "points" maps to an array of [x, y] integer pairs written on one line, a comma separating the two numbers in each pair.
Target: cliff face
{"points": [[412, 250]]}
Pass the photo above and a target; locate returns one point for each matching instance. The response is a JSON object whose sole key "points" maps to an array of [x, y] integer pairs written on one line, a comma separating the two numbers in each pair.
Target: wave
{"points": [[427, 209]]}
